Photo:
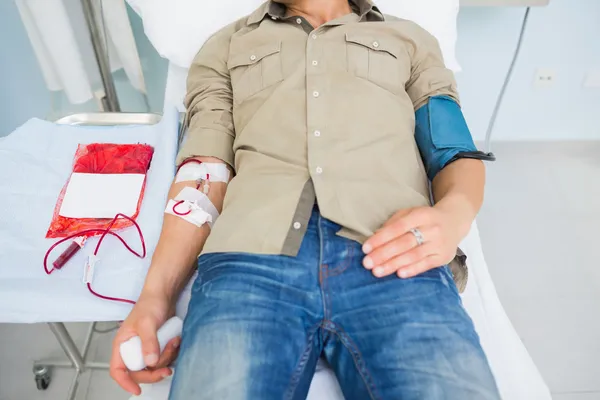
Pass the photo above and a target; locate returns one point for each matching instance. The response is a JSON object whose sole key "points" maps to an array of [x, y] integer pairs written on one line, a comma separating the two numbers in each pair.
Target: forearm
{"points": [[179, 245], [459, 189]]}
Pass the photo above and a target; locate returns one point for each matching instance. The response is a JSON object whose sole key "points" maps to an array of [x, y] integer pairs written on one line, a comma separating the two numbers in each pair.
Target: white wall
{"points": [[564, 36]]}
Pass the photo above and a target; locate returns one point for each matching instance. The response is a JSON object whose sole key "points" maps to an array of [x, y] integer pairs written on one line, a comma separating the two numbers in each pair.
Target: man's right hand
{"points": [[148, 315]]}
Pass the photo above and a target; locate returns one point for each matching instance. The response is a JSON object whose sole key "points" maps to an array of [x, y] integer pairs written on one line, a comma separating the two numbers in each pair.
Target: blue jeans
{"points": [[257, 325]]}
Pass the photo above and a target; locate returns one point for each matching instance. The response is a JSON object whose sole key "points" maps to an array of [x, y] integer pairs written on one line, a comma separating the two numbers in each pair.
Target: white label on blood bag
{"points": [[88, 269], [101, 195]]}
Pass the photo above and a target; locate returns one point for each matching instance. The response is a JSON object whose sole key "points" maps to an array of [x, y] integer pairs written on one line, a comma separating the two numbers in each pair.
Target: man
{"points": [[332, 117]]}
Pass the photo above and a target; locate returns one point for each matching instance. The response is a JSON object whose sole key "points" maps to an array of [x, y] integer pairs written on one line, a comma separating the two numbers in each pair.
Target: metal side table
{"points": [[78, 359]]}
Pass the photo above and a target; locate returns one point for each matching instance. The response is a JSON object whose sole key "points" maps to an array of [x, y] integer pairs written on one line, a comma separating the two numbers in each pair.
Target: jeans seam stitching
{"points": [[327, 296], [294, 380], [358, 360], [322, 271]]}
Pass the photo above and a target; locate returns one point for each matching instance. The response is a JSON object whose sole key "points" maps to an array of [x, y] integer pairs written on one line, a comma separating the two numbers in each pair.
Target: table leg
{"points": [[76, 358], [71, 351], [67, 344]]}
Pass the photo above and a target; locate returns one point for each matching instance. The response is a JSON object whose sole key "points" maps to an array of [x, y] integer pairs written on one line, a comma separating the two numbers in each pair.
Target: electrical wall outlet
{"points": [[592, 79], [544, 78]]}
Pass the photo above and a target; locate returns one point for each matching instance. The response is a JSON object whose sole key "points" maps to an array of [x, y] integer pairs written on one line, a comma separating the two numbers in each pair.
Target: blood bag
{"points": [[101, 171]]}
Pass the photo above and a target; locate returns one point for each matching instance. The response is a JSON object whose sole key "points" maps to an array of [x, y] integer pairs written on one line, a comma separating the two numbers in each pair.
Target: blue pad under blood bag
{"points": [[441, 133]]}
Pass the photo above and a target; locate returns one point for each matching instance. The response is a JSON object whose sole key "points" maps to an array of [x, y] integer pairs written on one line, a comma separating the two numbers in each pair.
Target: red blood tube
{"points": [[66, 255]]}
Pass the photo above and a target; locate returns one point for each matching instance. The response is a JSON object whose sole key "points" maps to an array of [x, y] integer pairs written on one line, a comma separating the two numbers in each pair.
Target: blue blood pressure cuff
{"points": [[443, 136]]}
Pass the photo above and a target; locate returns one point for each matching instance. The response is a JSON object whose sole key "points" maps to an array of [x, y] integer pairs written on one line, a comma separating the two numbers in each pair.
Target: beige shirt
{"points": [[305, 114]]}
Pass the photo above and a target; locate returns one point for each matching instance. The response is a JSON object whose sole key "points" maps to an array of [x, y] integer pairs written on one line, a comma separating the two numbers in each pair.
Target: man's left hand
{"points": [[394, 249]]}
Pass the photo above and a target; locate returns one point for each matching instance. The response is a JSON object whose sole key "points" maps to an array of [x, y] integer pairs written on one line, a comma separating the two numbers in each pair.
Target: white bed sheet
{"points": [[35, 163], [517, 376]]}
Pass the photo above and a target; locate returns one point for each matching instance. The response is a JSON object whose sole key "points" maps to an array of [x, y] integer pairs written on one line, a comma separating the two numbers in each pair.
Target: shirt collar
{"points": [[366, 8]]}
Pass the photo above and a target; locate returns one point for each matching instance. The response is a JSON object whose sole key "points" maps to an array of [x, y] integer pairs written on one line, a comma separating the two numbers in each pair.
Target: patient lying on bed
{"points": [[334, 120]]}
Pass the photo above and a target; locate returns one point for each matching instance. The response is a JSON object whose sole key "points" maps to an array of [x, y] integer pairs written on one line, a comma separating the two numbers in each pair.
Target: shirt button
{"points": [[315, 94], [315, 63], [319, 170], [376, 44], [252, 57], [317, 133], [297, 225], [274, 18], [314, 36], [298, 21]]}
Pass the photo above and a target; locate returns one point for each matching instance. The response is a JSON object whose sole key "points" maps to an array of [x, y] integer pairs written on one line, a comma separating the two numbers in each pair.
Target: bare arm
{"points": [[179, 245], [458, 189]]}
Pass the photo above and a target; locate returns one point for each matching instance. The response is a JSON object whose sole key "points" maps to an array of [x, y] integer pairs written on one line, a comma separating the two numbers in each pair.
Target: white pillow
{"points": [[178, 28], [439, 17]]}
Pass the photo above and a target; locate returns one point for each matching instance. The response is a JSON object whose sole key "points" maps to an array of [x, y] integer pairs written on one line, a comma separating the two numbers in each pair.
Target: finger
{"points": [[169, 354], [410, 257], [150, 349], [161, 371], [398, 227], [121, 376], [419, 267], [151, 376], [119, 372], [389, 250]]}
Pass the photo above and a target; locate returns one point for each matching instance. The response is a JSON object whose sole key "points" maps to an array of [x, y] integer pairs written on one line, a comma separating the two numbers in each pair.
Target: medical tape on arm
{"points": [[213, 172], [193, 206]]}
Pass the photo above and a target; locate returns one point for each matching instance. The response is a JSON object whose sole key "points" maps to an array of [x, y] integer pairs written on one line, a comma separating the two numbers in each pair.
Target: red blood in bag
{"points": [[102, 158]]}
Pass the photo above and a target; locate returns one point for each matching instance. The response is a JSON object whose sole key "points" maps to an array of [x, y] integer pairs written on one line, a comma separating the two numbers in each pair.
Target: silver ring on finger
{"points": [[418, 235]]}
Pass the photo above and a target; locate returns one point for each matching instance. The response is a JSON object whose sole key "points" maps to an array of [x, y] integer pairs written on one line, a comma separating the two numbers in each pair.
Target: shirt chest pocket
{"points": [[254, 69], [377, 60]]}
